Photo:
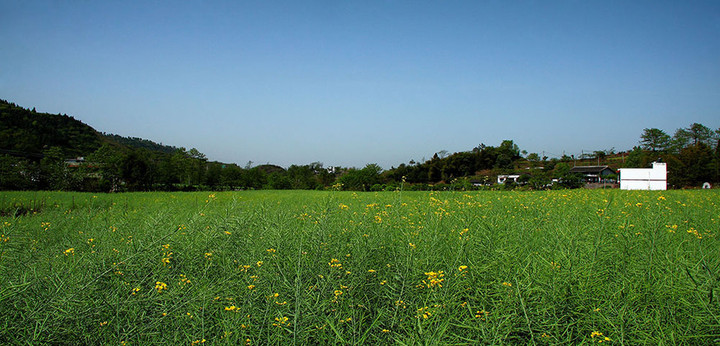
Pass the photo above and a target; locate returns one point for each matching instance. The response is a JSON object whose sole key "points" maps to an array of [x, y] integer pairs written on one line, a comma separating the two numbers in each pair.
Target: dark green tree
{"points": [[17, 173], [136, 171], [53, 172], [655, 140], [694, 166], [108, 159]]}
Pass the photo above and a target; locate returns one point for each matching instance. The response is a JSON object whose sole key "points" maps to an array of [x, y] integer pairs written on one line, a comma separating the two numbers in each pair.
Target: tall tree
{"points": [[654, 140], [696, 133]]}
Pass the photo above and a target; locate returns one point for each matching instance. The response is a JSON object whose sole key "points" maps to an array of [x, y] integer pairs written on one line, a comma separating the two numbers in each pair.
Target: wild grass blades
{"points": [[313, 267]]}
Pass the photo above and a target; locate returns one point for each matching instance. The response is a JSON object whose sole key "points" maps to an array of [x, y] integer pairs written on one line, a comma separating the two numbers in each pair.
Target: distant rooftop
{"points": [[589, 169]]}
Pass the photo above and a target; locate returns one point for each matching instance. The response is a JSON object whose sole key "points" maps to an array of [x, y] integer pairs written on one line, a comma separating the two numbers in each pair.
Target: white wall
{"points": [[644, 178]]}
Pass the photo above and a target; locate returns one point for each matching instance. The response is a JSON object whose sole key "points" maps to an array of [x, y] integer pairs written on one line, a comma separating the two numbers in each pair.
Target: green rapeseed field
{"points": [[336, 267]]}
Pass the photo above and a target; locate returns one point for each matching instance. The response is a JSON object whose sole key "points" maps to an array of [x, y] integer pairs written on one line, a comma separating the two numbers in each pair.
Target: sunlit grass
{"points": [[304, 267]]}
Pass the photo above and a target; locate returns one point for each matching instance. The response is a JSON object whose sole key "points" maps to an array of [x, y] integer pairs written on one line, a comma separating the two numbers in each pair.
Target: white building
{"points": [[654, 178], [505, 177]]}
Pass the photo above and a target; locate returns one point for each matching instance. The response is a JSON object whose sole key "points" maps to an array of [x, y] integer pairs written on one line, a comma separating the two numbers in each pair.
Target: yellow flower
{"points": [[481, 314], [160, 286], [461, 268], [434, 279], [507, 284], [70, 251], [279, 322], [259, 263], [335, 263], [250, 287]]}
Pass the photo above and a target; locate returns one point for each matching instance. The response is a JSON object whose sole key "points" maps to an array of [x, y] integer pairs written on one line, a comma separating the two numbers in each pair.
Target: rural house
{"points": [[594, 174]]}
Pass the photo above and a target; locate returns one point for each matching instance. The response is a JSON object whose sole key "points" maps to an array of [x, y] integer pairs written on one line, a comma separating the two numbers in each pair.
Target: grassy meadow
{"points": [[336, 267]]}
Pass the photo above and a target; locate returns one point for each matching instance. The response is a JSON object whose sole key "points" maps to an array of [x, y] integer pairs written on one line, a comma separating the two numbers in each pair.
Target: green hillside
{"points": [[27, 132], [136, 142]]}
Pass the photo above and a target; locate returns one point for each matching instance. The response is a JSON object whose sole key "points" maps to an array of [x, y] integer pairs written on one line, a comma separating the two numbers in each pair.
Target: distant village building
{"points": [[654, 178], [501, 179], [594, 174], [76, 162]]}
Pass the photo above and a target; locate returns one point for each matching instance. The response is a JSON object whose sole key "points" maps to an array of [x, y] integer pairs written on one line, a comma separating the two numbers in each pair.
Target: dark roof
{"points": [[590, 169]]}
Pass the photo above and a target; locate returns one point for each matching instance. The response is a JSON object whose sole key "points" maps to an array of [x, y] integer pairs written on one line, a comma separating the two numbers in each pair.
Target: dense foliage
{"points": [[35, 147], [136, 142], [334, 267], [29, 133]]}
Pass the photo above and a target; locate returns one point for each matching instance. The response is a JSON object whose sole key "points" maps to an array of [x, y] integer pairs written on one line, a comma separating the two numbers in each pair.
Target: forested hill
{"points": [[27, 132], [136, 142]]}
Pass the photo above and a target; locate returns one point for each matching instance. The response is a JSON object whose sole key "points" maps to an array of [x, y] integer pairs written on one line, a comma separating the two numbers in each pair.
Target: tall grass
{"points": [[307, 267]]}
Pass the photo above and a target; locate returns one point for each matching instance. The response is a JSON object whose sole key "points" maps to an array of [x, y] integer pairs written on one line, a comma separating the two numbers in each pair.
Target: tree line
{"points": [[692, 154], [35, 148]]}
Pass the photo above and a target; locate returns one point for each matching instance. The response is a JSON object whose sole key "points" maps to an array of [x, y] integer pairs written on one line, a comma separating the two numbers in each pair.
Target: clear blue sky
{"points": [[354, 82]]}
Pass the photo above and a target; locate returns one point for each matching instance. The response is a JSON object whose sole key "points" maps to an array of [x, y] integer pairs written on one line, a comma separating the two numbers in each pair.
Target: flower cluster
{"points": [[426, 312], [281, 322], [481, 314], [160, 286], [183, 280], [434, 279], [335, 263], [600, 337]]}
